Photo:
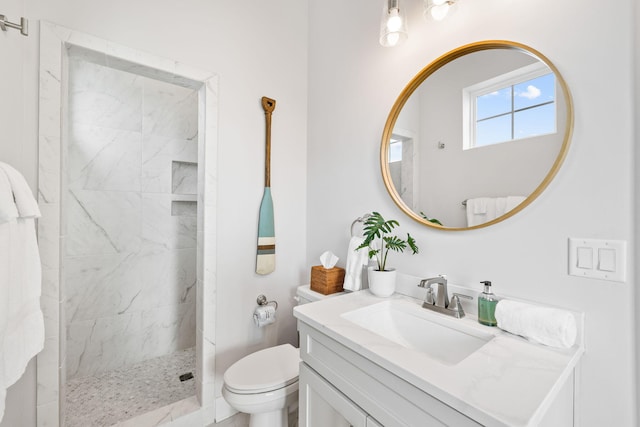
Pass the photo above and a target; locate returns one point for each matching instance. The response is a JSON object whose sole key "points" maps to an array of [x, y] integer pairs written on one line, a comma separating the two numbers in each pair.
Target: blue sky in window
{"points": [[536, 91], [535, 121]]}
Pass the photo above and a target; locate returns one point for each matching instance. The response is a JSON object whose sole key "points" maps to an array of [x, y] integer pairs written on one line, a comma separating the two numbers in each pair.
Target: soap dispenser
{"points": [[487, 302]]}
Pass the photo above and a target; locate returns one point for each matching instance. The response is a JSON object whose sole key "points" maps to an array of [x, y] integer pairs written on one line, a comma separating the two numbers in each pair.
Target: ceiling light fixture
{"points": [[393, 25], [438, 9]]}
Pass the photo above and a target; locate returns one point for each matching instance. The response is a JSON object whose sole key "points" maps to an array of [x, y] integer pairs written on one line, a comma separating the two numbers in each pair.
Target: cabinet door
{"points": [[322, 405]]}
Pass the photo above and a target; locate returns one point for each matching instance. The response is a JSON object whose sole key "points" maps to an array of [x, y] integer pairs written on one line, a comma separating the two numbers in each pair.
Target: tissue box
{"points": [[327, 280]]}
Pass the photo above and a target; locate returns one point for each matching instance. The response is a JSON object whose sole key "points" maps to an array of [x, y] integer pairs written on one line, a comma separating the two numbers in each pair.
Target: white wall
{"points": [[353, 83], [257, 49]]}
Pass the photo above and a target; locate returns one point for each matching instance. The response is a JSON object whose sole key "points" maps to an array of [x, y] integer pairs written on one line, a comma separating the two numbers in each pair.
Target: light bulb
{"points": [[394, 22], [439, 12], [392, 39]]}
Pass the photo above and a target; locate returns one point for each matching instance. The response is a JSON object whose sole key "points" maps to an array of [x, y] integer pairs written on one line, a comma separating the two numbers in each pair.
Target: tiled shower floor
{"points": [[110, 397]]}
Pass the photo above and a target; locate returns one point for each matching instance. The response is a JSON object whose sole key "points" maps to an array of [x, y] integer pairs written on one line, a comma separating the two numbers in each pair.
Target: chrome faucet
{"points": [[442, 293], [441, 302]]}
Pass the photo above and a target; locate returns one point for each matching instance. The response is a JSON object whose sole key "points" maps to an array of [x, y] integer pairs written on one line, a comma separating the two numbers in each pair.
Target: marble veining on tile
{"points": [[184, 178], [130, 265], [113, 108], [103, 96], [102, 158], [103, 222], [162, 229], [158, 153], [170, 111], [107, 343]]}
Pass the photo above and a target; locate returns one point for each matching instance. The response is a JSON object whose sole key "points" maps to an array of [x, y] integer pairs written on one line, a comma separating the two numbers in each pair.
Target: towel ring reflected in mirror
{"points": [[486, 122]]}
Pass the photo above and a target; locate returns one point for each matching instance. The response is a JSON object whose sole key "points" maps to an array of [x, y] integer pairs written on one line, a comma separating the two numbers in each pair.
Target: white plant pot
{"points": [[382, 283]]}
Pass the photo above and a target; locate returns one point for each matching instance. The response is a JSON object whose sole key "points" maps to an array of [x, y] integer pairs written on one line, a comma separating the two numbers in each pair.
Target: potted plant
{"points": [[379, 241]]}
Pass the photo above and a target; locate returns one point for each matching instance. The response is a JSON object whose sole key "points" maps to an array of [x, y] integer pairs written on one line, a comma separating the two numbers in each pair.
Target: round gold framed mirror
{"points": [[476, 135]]}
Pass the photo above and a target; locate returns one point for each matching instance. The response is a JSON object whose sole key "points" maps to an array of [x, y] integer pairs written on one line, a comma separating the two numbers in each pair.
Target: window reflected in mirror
{"points": [[476, 135]]}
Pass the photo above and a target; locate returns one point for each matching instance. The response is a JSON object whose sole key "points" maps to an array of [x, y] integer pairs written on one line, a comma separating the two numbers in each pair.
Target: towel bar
{"points": [[363, 218], [23, 26]]}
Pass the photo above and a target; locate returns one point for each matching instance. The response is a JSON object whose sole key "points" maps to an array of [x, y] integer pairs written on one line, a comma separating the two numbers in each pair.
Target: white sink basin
{"points": [[445, 339]]}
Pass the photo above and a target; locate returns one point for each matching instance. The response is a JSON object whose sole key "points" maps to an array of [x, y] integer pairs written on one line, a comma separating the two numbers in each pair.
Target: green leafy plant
{"points": [[431, 220], [376, 227]]}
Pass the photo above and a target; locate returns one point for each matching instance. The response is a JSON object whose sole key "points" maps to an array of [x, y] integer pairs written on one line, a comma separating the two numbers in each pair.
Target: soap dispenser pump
{"points": [[487, 302]]}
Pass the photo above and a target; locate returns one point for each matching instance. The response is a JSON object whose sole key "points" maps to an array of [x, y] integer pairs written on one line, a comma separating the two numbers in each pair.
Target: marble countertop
{"points": [[507, 382]]}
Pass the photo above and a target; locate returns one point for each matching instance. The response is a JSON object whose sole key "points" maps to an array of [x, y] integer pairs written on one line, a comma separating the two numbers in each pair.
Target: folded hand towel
{"points": [[479, 205], [543, 325], [480, 210], [355, 261], [501, 207], [25, 202]]}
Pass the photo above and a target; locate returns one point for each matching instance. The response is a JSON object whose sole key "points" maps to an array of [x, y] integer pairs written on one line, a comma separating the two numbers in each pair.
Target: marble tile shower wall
{"points": [[129, 263]]}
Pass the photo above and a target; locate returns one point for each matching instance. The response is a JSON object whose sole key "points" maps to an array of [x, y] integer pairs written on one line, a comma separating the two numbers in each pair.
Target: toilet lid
{"points": [[264, 370]]}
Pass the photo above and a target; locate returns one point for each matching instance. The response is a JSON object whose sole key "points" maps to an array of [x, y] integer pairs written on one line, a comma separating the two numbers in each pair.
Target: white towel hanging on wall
{"points": [[485, 209], [21, 319], [356, 260]]}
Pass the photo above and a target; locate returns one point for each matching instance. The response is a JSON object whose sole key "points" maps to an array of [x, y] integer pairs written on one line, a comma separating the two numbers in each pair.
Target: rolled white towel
{"points": [[543, 325]]}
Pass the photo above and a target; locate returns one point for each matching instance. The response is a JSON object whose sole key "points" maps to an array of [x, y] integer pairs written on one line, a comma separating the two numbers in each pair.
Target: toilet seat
{"points": [[263, 371]]}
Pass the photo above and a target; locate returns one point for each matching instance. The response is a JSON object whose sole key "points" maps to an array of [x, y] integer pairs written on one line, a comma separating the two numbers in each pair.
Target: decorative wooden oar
{"points": [[266, 259]]}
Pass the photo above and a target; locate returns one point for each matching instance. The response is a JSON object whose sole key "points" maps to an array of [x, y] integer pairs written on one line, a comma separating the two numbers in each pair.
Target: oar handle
{"points": [[268, 105]]}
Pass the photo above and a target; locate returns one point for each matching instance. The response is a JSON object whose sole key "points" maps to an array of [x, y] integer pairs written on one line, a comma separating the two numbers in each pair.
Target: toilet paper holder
{"points": [[265, 313], [262, 300]]}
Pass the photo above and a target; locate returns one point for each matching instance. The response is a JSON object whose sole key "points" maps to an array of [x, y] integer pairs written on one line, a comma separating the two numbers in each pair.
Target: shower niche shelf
{"points": [[184, 188], [184, 178], [184, 208]]}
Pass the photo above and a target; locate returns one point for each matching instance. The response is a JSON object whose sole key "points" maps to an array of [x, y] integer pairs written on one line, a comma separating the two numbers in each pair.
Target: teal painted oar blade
{"points": [[266, 254]]}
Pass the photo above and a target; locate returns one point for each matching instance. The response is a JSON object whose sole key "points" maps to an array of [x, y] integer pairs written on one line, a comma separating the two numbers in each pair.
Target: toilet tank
{"points": [[304, 295]]}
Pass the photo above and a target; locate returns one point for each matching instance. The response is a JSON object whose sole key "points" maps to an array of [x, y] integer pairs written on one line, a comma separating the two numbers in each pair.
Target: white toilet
{"points": [[264, 384]]}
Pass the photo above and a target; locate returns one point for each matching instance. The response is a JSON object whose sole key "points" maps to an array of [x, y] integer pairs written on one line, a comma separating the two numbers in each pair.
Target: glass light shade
{"points": [[438, 10], [393, 25]]}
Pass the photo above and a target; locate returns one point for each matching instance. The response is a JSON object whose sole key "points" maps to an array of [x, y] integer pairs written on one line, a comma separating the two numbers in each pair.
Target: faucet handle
{"points": [[456, 307], [455, 294]]}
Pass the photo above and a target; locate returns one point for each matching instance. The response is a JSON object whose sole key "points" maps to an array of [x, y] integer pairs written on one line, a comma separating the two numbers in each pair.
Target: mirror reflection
{"points": [[476, 136]]}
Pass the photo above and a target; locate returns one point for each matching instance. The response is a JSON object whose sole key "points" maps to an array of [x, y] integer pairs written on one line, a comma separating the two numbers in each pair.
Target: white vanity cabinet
{"points": [[338, 387], [361, 374]]}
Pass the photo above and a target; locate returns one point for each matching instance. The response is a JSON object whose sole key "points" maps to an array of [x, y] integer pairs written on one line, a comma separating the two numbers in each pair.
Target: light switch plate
{"points": [[598, 259]]}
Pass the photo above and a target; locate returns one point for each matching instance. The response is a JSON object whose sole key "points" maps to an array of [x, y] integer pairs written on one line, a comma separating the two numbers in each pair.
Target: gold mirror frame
{"points": [[432, 68]]}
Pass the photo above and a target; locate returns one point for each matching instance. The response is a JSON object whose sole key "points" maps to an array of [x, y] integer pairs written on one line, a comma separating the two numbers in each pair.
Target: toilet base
{"points": [[269, 409], [270, 419]]}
